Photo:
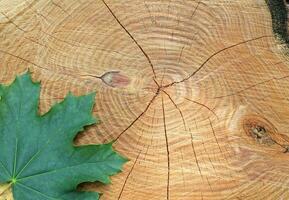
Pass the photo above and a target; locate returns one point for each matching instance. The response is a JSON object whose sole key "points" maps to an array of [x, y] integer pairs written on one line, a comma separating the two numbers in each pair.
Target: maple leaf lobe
{"points": [[37, 155]]}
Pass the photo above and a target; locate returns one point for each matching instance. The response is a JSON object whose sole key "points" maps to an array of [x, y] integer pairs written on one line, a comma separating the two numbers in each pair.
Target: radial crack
{"points": [[67, 42], [167, 148], [203, 106], [212, 56], [217, 141], [213, 131], [181, 54], [196, 8], [34, 64], [129, 173], [176, 106], [130, 35], [195, 154], [58, 6], [138, 117], [23, 59], [12, 22], [252, 86], [208, 155], [21, 29]]}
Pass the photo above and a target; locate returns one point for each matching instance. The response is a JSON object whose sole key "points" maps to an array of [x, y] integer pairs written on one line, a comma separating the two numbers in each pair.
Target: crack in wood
{"points": [[160, 89], [196, 8], [176, 106], [21, 29], [195, 154], [213, 55], [203, 105], [127, 177], [41, 15], [208, 155], [213, 131], [193, 14], [209, 184], [181, 54], [138, 117], [67, 42], [52, 36], [12, 22], [58, 6], [34, 64], [134, 40], [252, 86], [167, 148], [21, 12], [23, 59], [192, 143], [217, 141]]}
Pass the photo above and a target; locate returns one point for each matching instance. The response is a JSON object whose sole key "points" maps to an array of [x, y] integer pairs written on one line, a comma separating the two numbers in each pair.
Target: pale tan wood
{"points": [[6, 192], [200, 103]]}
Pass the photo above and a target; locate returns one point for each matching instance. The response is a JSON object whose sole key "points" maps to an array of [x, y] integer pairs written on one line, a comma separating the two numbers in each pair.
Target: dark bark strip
{"points": [[279, 16], [168, 151], [130, 35]]}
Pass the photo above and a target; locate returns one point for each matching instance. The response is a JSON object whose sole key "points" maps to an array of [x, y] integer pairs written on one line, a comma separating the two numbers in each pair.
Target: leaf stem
{"points": [[15, 157]]}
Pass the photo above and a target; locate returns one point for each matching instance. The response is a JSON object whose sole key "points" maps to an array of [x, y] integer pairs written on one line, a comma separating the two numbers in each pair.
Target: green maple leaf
{"points": [[37, 156]]}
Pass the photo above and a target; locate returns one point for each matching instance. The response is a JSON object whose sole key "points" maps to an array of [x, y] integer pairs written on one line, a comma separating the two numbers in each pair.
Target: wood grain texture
{"points": [[194, 93]]}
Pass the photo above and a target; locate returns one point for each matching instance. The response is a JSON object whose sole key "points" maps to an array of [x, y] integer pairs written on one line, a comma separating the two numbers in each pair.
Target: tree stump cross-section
{"points": [[193, 92]]}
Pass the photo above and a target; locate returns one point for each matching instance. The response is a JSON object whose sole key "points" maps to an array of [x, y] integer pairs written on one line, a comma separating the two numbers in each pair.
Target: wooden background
{"points": [[195, 93]]}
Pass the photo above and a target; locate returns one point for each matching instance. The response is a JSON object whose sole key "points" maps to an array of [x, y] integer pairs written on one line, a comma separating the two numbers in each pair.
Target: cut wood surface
{"points": [[194, 93]]}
